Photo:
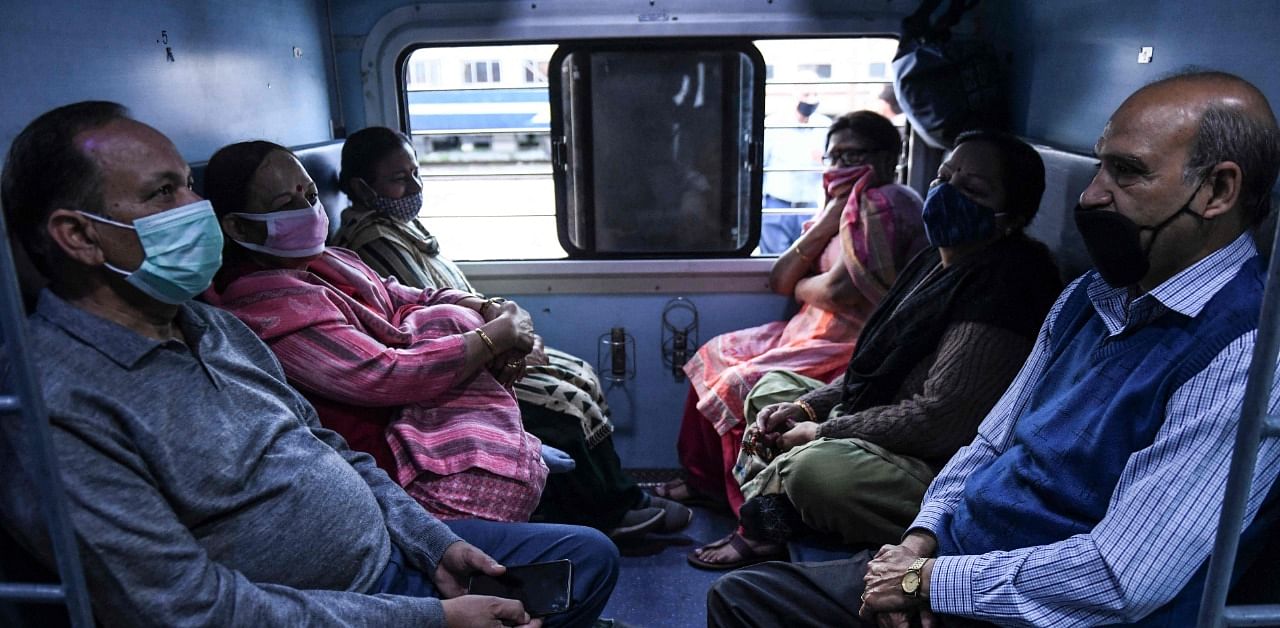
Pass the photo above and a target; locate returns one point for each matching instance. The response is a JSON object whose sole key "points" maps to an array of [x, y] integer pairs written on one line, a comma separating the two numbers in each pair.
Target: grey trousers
{"points": [[775, 594]]}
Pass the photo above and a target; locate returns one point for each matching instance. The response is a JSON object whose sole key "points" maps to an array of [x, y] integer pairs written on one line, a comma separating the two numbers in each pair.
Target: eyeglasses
{"points": [[846, 158]]}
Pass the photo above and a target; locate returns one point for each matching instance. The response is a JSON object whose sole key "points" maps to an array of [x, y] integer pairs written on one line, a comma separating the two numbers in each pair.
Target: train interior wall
{"points": [[1074, 61], [206, 73]]}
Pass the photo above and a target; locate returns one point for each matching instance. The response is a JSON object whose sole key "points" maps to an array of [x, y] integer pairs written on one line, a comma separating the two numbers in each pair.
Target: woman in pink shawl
{"points": [[437, 363], [838, 270]]}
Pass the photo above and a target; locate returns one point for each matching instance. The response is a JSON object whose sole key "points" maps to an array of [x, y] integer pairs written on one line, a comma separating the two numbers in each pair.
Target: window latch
{"points": [[559, 154]]}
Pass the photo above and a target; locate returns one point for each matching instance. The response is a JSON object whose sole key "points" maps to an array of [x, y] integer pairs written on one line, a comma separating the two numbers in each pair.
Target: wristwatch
{"points": [[911, 579]]}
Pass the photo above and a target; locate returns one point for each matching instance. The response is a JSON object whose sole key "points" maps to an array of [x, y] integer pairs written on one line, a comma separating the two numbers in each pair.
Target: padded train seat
{"points": [[1066, 175]]}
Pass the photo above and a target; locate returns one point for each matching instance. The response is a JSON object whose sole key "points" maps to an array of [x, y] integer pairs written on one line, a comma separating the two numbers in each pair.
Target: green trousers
{"points": [[848, 487]]}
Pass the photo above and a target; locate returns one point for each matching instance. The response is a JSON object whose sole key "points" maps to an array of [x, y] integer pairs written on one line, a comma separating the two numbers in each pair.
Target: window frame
{"points": [[378, 102], [560, 151]]}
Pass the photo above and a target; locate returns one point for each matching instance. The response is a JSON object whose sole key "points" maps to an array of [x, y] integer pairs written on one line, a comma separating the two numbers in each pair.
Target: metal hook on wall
{"points": [[679, 334]]}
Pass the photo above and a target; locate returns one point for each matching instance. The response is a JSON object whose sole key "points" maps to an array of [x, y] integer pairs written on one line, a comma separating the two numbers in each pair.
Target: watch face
{"points": [[910, 582]]}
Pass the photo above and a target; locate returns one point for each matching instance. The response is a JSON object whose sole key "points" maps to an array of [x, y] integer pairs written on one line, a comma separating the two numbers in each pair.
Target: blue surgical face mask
{"points": [[950, 218], [403, 209], [182, 250]]}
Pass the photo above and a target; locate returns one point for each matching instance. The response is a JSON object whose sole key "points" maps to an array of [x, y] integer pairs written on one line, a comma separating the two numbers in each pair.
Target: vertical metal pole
{"points": [[36, 425], [1253, 412]]}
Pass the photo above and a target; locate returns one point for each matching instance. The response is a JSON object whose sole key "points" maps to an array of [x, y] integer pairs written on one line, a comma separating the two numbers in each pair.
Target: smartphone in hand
{"points": [[543, 588]]}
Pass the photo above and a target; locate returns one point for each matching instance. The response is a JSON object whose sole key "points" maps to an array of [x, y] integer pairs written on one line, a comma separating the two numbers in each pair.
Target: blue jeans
{"points": [[594, 556], [778, 231]]}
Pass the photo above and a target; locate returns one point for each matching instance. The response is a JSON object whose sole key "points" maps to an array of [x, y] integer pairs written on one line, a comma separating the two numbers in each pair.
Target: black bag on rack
{"points": [[945, 87]]}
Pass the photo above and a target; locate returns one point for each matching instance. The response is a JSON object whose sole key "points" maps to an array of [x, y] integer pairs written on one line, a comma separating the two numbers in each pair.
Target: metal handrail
{"points": [[1214, 612], [28, 402]]}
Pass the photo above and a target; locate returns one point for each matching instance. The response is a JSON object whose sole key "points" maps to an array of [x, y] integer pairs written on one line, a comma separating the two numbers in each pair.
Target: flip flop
{"points": [[747, 554], [691, 498]]}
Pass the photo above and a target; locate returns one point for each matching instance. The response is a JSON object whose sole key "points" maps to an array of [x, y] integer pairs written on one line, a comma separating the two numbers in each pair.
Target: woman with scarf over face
{"points": [[838, 270], [849, 461], [560, 398]]}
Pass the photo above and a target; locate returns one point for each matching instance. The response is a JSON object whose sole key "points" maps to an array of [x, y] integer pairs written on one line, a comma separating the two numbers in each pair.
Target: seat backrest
{"points": [[323, 162], [1066, 175]]}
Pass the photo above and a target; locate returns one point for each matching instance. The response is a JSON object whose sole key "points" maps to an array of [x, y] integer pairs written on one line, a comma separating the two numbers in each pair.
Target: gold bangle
{"points": [[808, 409], [487, 341], [804, 258]]}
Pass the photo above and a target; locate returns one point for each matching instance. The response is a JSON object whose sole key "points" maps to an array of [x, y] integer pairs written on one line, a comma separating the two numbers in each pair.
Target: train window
{"points": [[801, 100], [480, 117], [482, 134], [655, 148]]}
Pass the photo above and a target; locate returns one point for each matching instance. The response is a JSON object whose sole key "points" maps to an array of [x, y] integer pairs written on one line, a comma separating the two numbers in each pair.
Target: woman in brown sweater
{"points": [[849, 461]]}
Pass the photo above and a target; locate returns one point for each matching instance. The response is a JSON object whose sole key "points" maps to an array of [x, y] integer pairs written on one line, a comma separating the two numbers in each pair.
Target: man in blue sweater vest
{"points": [[1091, 492]]}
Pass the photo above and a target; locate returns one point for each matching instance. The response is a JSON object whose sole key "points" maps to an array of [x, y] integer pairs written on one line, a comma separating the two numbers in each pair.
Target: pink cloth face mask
{"points": [[836, 177], [291, 233]]}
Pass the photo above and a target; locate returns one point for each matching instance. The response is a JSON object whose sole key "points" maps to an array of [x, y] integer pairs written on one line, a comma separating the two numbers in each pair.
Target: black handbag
{"points": [[946, 86]]}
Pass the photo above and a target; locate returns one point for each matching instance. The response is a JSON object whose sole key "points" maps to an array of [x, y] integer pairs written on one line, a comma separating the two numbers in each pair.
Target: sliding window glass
{"points": [[812, 82]]}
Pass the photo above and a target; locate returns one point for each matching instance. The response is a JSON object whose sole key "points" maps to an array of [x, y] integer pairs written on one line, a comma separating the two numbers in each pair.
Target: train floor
{"points": [[656, 587]]}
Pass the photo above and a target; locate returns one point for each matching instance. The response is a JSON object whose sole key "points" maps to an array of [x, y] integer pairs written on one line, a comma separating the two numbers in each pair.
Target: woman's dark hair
{"points": [[362, 151], [1022, 170], [226, 187], [230, 171], [871, 128]]}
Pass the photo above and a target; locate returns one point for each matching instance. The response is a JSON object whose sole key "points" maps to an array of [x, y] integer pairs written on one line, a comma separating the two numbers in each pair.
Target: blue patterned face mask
{"points": [[950, 218], [403, 209], [182, 250]]}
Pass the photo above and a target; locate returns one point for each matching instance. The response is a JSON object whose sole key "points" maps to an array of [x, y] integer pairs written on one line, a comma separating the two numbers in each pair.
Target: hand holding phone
{"points": [[543, 588]]}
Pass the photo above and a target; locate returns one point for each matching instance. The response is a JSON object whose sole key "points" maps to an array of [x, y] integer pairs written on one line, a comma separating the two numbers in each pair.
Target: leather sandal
{"points": [[747, 555], [679, 491]]}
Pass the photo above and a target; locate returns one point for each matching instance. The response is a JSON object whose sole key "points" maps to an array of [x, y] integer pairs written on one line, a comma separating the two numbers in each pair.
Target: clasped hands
{"points": [[460, 561], [526, 346], [783, 426], [883, 600]]}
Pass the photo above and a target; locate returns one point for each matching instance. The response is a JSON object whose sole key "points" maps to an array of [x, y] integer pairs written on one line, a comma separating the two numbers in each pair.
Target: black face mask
{"points": [[1115, 244], [806, 109]]}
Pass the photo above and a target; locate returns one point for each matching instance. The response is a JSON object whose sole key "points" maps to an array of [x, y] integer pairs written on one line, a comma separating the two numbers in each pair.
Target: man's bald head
{"points": [[1233, 122]]}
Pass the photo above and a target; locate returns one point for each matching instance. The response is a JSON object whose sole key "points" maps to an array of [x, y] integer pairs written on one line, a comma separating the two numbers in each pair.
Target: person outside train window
{"points": [[201, 487], [441, 360], [838, 270], [560, 397], [1091, 493], [849, 461], [793, 143]]}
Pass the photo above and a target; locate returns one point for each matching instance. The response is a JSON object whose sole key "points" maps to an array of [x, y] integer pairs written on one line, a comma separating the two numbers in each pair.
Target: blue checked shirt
{"points": [[1160, 522]]}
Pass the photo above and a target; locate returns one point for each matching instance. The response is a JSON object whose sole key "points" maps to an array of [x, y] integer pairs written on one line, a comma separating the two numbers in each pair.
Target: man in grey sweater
{"points": [[202, 488]]}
